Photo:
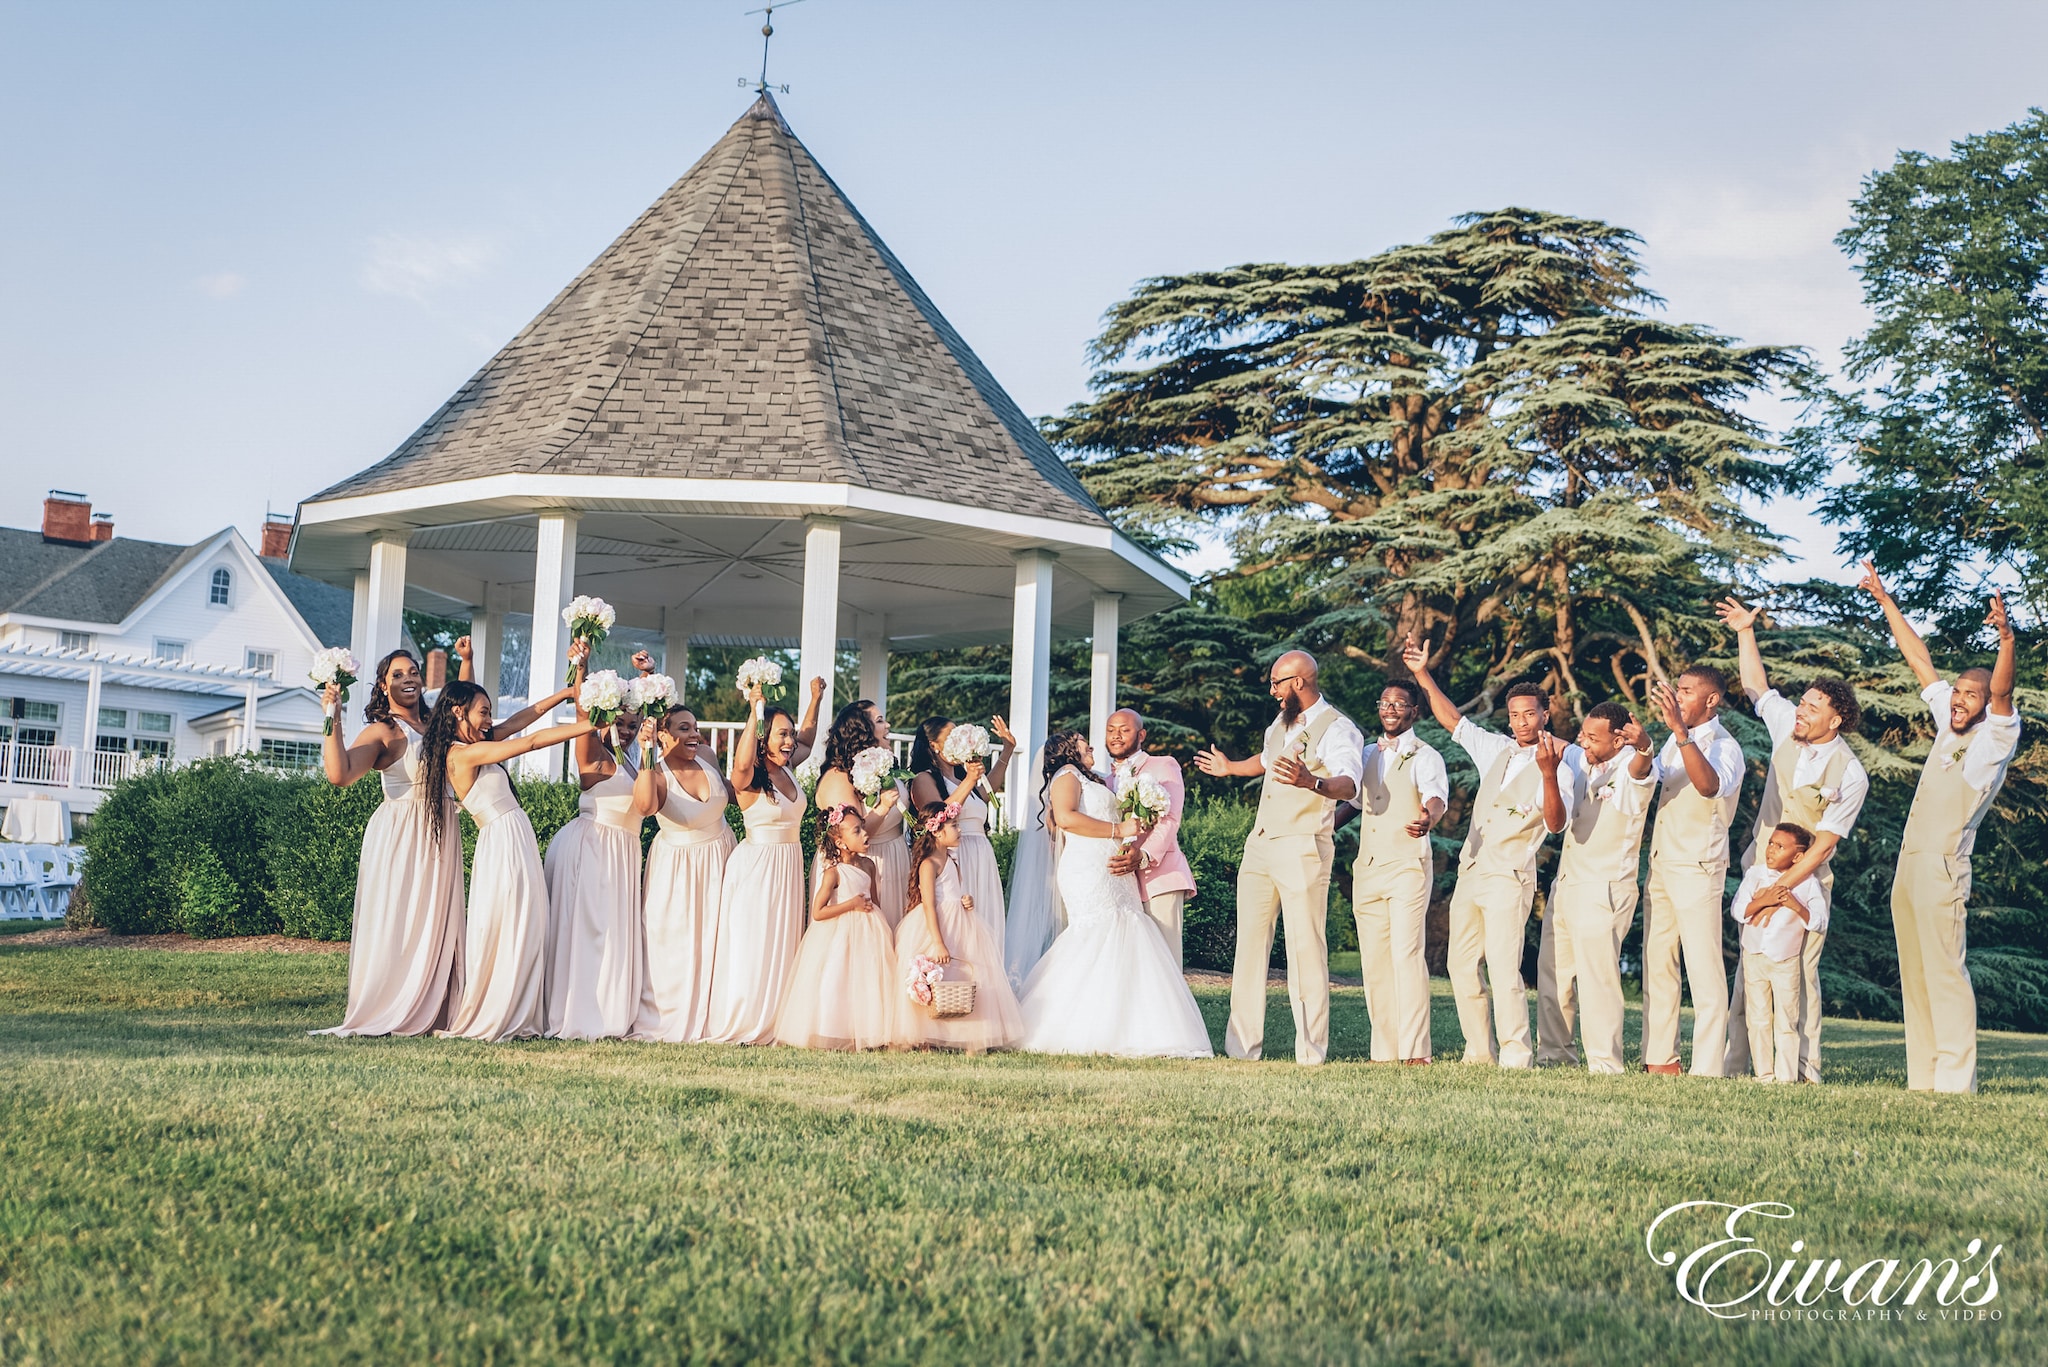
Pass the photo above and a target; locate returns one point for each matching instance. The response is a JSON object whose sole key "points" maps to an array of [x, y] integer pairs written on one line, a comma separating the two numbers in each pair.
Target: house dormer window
{"points": [[217, 592]]}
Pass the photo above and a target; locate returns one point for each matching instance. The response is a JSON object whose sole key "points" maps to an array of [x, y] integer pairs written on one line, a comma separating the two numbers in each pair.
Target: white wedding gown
{"points": [[1109, 983]]}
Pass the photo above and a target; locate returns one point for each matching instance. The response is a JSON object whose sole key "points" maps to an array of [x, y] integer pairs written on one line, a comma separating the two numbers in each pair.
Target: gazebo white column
{"points": [[873, 633], [487, 639], [554, 584], [1030, 681], [1102, 670], [382, 594], [359, 646], [675, 649], [818, 650]]}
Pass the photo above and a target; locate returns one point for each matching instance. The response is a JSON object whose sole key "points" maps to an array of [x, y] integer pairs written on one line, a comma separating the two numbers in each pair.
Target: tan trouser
{"points": [[1774, 991], [1809, 1016], [1165, 911], [1580, 963], [1489, 920], [1684, 914], [1929, 894], [1285, 877], [1390, 903]]}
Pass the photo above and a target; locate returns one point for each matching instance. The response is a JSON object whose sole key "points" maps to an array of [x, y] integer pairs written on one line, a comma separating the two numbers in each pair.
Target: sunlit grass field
{"points": [[186, 1176]]}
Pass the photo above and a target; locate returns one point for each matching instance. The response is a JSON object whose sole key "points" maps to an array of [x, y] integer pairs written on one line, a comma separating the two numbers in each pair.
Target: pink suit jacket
{"points": [[1167, 868]]}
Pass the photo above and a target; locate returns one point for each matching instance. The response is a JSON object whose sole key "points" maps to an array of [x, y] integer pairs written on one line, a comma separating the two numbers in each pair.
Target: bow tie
{"points": [[1389, 743]]}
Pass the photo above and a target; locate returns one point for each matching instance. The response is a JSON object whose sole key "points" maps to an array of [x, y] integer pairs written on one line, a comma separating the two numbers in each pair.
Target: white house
{"points": [[114, 650]]}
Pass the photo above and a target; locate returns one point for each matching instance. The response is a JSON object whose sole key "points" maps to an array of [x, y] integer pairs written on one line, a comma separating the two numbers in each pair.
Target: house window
{"points": [[28, 721], [264, 660], [74, 640], [290, 754], [217, 591], [146, 733], [168, 650]]}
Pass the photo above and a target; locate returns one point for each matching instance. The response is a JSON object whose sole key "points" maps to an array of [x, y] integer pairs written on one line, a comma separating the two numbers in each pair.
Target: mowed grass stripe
{"points": [[184, 1175]]}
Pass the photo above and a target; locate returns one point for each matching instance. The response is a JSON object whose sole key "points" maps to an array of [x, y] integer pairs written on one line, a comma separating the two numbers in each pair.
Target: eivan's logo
{"points": [[1734, 1277]]}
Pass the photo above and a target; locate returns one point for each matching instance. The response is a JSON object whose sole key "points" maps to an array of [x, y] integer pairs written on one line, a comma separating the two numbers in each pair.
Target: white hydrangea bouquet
{"points": [[874, 773], [336, 666], [603, 697], [966, 743], [653, 696], [762, 671], [590, 619], [1142, 797]]}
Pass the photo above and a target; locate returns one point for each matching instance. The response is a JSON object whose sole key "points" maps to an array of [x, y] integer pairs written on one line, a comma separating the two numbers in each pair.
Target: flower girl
{"points": [[843, 994], [940, 926]]}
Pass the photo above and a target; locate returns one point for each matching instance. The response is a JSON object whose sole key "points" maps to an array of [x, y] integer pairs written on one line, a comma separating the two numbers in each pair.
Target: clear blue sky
{"points": [[245, 249]]}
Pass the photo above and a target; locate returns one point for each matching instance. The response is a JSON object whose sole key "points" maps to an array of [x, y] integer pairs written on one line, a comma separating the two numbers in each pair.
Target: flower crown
{"points": [[839, 811], [946, 815]]}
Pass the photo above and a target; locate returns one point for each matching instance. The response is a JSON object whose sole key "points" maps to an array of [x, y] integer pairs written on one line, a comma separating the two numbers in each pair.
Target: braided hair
{"points": [[444, 729], [378, 707]]}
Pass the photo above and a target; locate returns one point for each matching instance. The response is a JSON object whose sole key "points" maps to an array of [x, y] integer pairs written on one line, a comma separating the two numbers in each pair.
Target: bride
{"points": [[1108, 984]]}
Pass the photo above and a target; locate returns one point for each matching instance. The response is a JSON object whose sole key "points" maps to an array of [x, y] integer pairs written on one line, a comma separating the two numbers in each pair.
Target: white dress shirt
{"points": [[1611, 781], [1485, 747], [1342, 751], [1723, 754], [1783, 935], [1778, 714], [1985, 758], [1425, 766]]}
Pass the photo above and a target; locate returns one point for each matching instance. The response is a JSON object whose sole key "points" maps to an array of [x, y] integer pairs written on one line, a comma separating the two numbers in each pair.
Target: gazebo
{"points": [[743, 424]]}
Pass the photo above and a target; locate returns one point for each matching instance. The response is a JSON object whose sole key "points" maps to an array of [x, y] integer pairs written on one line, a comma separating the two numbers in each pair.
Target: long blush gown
{"points": [[844, 992], [685, 874], [405, 947], [889, 850], [597, 958], [995, 1022], [505, 994], [760, 921], [980, 878]]}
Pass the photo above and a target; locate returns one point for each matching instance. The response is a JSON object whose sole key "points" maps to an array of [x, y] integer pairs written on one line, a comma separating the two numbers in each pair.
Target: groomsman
{"points": [[1977, 729], [1527, 786], [1815, 781], [1699, 779], [1402, 793], [1311, 760], [1164, 878], [1593, 898]]}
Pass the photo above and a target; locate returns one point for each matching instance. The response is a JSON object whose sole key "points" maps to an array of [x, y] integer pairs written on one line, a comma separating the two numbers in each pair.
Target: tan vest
{"points": [[1283, 808], [1943, 804], [1388, 805], [1603, 841], [1782, 802], [1691, 829], [1499, 840]]}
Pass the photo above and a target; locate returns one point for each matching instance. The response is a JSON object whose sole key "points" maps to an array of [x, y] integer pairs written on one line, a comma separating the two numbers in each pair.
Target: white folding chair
{"points": [[21, 885], [53, 893]]}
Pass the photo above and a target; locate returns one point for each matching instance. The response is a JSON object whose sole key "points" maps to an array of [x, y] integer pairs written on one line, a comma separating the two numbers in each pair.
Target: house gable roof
{"points": [[749, 325]]}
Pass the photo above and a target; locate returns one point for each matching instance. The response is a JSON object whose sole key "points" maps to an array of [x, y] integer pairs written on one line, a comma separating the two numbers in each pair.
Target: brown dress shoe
{"points": [[1414, 1062], [1670, 1068]]}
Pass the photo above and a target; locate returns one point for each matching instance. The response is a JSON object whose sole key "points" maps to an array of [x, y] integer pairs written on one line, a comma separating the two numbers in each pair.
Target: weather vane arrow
{"points": [[761, 86]]}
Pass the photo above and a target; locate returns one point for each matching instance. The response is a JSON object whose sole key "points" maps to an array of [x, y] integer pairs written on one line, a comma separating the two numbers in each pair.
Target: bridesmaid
{"points": [[685, 871], [861, 726], [844, 993], [941, 924], [597, 952], [951, 785], [503, 993], [405, 945], [761, 901]]}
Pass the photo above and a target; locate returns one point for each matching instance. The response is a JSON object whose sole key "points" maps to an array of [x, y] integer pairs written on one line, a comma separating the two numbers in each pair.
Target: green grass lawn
{"points": [[185, 1176]]}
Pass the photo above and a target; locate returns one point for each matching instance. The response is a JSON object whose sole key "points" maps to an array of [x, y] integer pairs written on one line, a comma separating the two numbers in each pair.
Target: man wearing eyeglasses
{"points": [[1312, 759]]}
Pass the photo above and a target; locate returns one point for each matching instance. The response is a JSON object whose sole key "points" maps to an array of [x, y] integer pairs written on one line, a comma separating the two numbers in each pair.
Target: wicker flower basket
{"points": [[952, 998]]}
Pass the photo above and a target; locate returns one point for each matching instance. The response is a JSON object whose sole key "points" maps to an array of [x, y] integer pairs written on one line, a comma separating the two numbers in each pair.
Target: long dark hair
{"points": [[920, 850], [760, 782], [1062, 750], [378, 707], [924, 752], [444, 726], [853, 731]]}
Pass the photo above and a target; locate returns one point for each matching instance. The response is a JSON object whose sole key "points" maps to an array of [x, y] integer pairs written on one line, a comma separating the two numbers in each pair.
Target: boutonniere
{"points": [[1952, 758], [1402, 756], [1521, 813], [1605, 792], [1831, 795]]}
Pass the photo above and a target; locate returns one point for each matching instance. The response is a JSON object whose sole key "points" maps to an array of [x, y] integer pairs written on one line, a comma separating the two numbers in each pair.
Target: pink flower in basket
{"points": [[924, 974]]}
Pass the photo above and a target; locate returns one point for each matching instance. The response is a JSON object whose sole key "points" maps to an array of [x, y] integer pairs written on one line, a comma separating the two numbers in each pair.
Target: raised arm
{"points": [[1550, 759], [579, 654], [466, 653], [650, 785], [1698, 770], [496, 751], [2003, 672], [807, 731], [1742, 621], [1908, 640], [1440, 705], [344, 763], [746, 750], [1001, 770]]}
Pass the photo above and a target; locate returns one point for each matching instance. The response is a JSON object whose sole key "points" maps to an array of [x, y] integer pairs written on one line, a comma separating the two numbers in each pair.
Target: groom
{"points": [[1311, 761], [1162, 870]]}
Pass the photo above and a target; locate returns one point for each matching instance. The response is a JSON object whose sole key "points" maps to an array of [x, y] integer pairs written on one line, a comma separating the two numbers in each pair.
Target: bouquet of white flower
{"points": [[653, 696], [874, 770], [763, 671], [1142, 797], [590, 619], [334, 666], [603, 697], [966, 743]]}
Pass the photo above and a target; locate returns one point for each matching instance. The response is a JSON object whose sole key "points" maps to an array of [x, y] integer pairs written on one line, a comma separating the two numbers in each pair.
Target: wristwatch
{"points": [[1315, 784]]}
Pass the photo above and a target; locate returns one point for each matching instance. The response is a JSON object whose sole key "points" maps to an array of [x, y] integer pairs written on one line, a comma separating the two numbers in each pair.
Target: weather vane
{"points": [[761, 86]]}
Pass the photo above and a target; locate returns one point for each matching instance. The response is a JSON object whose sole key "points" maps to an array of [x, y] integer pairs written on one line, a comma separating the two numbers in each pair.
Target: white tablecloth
{"points": [[37, 821]]}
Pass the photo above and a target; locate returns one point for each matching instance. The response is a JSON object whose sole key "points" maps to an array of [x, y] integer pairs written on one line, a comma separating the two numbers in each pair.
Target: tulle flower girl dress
{"points": [[977, 956], [596, 961], [844, 993], [685, 875]]}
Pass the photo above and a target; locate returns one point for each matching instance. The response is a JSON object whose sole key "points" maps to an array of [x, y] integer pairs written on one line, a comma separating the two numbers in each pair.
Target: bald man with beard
{"points": [[1312, 759]]}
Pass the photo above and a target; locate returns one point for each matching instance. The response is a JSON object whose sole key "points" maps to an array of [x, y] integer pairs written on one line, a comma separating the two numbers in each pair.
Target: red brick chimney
{"points": [[68, 518], [103, 526], [277, 536]]}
